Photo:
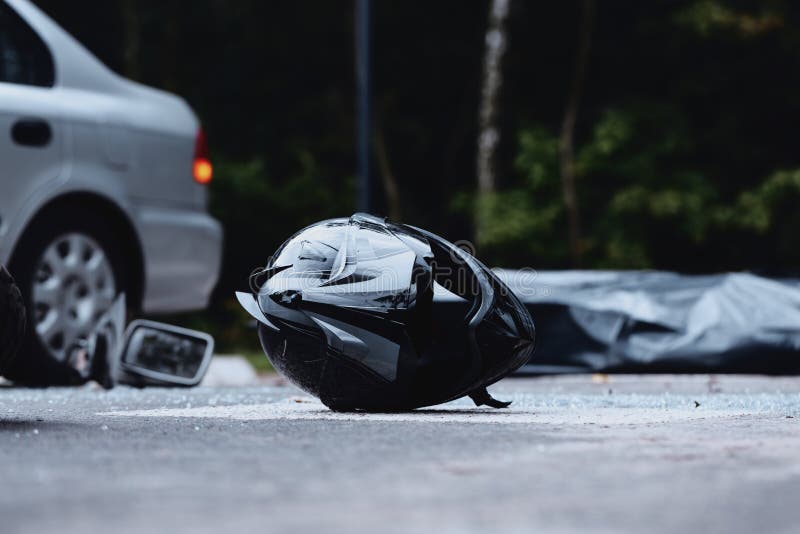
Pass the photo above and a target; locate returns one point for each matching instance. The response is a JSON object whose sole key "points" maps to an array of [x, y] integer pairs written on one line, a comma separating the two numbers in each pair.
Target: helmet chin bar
{"points": [[371, 315], [482, 290]]}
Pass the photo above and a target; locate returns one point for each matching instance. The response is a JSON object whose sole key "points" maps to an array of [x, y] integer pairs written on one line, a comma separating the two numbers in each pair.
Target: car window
{"points": [[24, 58]]}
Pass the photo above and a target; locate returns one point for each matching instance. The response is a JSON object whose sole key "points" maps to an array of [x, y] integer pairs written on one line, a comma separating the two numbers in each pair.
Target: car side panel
{"points": [[141, 172], [24, 169], [163, 171], [155, 163], [183, 253]]}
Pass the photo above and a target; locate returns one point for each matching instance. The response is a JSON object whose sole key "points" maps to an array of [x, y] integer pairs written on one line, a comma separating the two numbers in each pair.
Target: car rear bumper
{"points": [[182, 252]]}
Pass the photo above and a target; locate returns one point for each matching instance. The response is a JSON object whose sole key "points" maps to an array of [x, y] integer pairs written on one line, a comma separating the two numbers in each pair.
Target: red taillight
{"points": [[201, 168]]}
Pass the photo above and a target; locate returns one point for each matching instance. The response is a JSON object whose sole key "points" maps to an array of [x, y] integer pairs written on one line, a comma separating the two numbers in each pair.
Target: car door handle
{"points": [[32, 132]]}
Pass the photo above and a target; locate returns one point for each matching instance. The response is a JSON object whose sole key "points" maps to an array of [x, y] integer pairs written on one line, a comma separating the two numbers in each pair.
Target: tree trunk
{"points": [[170, 49], [489, 132], [132, 25], [387, 176], [566, 139]]}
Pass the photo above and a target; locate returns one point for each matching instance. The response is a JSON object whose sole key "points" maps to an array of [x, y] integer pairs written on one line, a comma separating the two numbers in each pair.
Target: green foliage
{"points": [[707, 16], [760, 210], [639, 201], [687, 117], [524, 223], [259, 212]]}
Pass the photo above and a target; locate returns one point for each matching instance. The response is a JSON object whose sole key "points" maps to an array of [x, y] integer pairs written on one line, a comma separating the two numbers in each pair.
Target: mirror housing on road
{"points": [[162, 354]]}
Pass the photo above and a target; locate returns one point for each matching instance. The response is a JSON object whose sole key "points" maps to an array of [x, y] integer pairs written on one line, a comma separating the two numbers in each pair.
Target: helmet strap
{"points": [[481, 397]]}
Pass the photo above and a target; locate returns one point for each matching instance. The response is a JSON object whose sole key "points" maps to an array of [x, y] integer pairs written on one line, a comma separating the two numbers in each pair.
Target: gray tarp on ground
{"points": [[631, 321]]}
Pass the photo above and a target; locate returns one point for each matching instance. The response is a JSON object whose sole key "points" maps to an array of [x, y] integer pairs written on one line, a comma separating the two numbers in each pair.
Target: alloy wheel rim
{"points": [[73, 285]]}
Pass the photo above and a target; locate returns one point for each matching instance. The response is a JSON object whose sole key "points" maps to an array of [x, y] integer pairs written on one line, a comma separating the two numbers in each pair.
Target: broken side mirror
{"points": [[161, 354]]}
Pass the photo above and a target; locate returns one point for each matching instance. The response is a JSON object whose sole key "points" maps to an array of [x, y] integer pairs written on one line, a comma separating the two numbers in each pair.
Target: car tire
{"points": [[12, 320], [39, 366]]}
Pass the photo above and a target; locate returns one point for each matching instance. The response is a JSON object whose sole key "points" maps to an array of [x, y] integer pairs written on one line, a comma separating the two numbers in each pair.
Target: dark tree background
{"points": [[683, 148]]}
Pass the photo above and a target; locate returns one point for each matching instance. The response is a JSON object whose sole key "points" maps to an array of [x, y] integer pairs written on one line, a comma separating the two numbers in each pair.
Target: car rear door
{"points": [[31, 133]]}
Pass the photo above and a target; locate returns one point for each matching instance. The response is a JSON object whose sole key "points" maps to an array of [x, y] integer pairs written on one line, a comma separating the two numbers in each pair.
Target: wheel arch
{"points": [[114, 215]]}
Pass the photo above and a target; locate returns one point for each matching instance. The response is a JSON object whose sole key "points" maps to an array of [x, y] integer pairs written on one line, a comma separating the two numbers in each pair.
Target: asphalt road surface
{"points": [[627, 454]]}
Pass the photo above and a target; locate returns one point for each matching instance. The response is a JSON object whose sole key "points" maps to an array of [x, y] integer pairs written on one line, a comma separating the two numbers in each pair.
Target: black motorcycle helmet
{"points": [[370, 315]]}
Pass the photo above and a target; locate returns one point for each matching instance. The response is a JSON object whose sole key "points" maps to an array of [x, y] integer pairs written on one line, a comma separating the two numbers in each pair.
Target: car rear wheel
{"points": [[70, 271]]}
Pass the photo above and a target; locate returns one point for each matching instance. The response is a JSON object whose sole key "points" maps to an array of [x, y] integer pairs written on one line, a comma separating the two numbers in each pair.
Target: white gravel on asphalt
{"points": [[526, 409]]}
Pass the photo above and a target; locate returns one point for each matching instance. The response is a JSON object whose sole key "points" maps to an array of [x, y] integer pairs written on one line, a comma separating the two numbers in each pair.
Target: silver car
{"points": [[103, 186]]}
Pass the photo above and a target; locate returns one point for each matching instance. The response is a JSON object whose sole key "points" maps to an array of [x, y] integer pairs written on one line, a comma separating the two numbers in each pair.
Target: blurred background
{"points": [[625, 134]]}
